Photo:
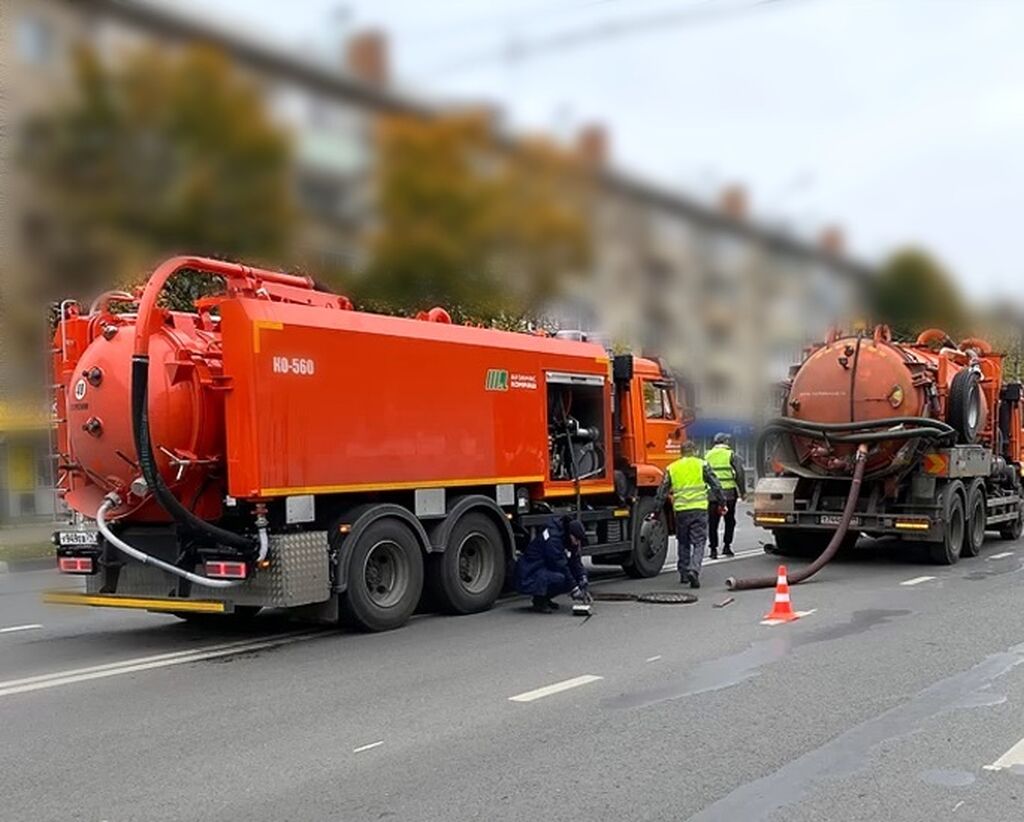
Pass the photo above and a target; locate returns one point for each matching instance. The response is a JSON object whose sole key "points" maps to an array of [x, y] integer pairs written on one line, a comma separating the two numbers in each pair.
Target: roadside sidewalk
{"points": [[26, 547]]}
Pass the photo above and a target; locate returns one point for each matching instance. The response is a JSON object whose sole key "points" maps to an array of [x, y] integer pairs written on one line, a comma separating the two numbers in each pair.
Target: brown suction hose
{"points": [[734, 584]]}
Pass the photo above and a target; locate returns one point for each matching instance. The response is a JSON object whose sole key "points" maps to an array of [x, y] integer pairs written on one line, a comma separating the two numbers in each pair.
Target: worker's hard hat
{"points": [[722, 438]]}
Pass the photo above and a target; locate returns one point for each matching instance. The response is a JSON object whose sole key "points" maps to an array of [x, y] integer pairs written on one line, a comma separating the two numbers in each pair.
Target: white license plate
{"points": [[835, 519], [74, 538]]}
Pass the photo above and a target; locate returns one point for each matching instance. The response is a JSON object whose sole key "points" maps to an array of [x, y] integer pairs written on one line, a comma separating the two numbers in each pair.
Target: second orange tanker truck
{"points": [[920, 441]]}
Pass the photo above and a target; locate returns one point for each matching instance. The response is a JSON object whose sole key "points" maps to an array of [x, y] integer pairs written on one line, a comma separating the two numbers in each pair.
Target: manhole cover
{"points": [[667, 598]]}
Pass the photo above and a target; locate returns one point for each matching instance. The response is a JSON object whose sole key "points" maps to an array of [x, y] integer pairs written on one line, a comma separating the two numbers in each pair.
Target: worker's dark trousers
{"points": [[730, 520], [554, 583], [691, 538]]}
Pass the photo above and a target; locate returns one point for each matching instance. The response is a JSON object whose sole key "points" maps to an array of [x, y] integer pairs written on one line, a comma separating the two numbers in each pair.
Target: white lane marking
{"points": [[653, 658], [916, 580], [362, 748], [739, 555], [556, 688], [957, 805], [14, 628], [1014, 756], [1003, 555], [129, 666], [785, 621]]}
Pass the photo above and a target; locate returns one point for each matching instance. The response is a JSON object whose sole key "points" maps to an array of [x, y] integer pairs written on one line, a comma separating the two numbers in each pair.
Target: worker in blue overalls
{"points": [[552, 564]]}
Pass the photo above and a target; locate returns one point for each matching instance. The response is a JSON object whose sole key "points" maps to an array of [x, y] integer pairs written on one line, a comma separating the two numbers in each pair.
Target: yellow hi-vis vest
{"points": [[689, 492], [720, 460]]}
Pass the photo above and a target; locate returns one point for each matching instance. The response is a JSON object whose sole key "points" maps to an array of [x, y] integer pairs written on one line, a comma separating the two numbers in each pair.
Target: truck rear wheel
{"points": [[385, 577], [974, 532], [650, 542], [468, 576], [947, 552]]}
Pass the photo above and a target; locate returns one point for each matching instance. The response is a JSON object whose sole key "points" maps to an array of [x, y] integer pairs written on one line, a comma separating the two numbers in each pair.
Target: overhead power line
{"points": [[517, 50]]}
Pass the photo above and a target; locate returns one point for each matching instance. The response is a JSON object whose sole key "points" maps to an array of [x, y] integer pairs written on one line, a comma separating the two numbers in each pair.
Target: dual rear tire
{"points": [[388, 574]]}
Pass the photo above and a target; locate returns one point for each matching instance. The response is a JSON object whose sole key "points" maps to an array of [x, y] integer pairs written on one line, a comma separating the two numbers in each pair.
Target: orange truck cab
{"points": [[277, 448]]}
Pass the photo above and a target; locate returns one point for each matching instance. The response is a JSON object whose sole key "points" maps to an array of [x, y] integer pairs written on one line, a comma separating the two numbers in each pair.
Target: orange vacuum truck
{"points": [[920, 441], [277, 448]]}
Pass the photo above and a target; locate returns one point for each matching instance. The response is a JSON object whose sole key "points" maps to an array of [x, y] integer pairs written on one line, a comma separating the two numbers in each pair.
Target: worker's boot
{"points": [[694, 580], [552, 605], [714, 553], [542, 605], [727, 552]]}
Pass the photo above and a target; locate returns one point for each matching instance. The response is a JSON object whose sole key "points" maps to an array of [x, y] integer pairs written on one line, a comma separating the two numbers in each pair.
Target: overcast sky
{"points": [[902, 120]]}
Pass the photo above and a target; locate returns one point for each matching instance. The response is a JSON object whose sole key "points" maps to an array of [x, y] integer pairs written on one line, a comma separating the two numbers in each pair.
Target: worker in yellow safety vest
{"points": [[728, 467], [692, 484]]}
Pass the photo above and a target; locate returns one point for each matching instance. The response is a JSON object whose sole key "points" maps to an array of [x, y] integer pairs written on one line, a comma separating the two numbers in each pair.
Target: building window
{"points": [[35, 41]]}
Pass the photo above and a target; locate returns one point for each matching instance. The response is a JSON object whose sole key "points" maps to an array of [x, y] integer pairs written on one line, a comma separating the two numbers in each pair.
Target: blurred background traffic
{"points": [[714, 182]]}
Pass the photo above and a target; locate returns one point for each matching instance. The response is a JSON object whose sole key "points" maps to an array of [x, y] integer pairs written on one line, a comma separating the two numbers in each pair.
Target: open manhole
{"points": [[667, 598], [656, 597], [612, 596]]}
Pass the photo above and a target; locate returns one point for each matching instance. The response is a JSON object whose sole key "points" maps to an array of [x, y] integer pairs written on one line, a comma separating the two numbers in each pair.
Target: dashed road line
{"points": [[129, 666], [15, 628], [1003, 555], [917, 580], [653, 658], [372, 745], [1014, 756], [556, 688]]}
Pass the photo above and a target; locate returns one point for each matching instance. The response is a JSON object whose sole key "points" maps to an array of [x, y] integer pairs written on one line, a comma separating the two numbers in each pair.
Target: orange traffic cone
{"points": [[782, 610]]}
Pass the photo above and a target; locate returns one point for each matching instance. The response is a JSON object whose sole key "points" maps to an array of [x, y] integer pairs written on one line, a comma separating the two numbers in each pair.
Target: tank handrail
{"points": [[216, 268]]}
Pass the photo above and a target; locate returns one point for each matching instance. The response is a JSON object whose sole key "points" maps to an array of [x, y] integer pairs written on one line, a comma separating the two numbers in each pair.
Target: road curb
{"points": [[21, 565]]}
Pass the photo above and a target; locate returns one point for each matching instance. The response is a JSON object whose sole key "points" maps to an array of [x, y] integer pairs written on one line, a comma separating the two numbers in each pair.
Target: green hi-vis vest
{"points": [[689, 492], [720, 460]]}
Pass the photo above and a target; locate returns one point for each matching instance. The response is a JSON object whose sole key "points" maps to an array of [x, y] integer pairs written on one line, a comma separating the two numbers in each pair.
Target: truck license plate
{"points": [[835, 519], [76, 538]]}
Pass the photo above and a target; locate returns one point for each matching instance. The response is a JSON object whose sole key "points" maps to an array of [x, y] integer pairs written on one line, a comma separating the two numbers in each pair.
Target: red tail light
{"points": [[75, 565], [220, 569]]}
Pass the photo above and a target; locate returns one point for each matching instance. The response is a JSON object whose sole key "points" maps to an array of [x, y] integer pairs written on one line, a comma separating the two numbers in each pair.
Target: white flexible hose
{"points": [[146, 559], [264, 545]]}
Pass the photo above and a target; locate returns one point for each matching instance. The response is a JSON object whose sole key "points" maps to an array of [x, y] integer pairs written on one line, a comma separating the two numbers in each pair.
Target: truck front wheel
{"points": [[947, 552], [468, 576], [1014, 528], [385, 577], [650, 542]]}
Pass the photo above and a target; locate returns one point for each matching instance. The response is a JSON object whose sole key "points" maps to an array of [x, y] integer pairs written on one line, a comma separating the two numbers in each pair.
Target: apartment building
{"points": [[728, 302]]}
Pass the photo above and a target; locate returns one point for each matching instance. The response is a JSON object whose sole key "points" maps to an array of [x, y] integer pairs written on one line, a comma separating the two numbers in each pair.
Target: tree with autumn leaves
{"points": [[482, 225], [158, 153]]}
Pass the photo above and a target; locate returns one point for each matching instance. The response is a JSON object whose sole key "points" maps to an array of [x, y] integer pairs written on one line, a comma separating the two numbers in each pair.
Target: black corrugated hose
{"points": [[163, 494]]}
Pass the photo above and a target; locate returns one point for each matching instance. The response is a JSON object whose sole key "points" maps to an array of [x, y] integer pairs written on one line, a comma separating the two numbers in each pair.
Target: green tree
{"points": [[913, 291], [157, 154], [483, 227]]}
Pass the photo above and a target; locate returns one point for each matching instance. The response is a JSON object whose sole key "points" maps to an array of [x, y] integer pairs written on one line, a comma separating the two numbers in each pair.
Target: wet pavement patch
{"points": [[727, 671]]}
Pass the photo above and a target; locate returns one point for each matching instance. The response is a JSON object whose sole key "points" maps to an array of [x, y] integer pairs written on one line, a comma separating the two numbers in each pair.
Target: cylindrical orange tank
{"points": [[871, 378], [186, 415]]}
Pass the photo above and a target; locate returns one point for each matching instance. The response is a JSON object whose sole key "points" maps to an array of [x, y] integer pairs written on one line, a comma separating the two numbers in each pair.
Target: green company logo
{"points": [[497, 379]]}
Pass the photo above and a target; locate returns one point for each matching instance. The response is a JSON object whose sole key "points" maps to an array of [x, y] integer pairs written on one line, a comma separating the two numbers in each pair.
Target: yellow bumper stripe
{"points": [[200, 606]]}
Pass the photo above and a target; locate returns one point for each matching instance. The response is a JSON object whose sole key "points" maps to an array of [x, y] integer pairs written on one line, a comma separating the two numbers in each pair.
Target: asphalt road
{"points": [[885, 703]]}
